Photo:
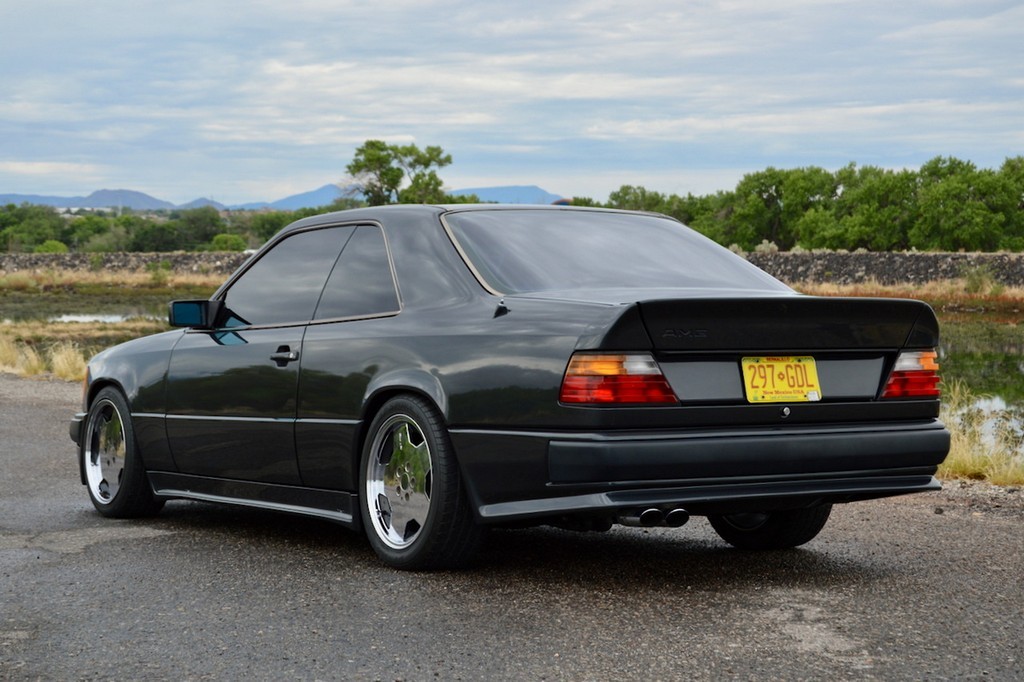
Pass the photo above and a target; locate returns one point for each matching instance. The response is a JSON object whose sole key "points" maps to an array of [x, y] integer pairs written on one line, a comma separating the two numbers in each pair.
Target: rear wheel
{"points": [[413, 506], [114, 474], [771, 530]]}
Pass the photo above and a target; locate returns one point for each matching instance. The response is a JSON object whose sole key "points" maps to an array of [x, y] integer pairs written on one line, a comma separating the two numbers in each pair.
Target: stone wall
{"points": [[837, 267], [888, 268], [220, 263]]}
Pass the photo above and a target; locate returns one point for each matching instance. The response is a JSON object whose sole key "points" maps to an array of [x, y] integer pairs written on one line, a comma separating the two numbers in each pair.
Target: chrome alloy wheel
{"points": [[105, 451], [398, 481]]}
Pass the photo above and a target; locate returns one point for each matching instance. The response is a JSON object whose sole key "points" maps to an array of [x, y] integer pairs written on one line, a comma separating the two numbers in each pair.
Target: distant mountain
{"points": [[201, 202], [104, 198], [324, 196], [511, 194]]}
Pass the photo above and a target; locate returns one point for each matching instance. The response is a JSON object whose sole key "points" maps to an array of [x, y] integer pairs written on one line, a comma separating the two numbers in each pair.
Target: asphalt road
{"points": [[890, 590]]}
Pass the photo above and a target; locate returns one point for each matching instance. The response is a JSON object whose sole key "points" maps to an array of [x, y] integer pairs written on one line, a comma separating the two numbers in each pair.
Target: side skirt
{"points": [[333, 505]]}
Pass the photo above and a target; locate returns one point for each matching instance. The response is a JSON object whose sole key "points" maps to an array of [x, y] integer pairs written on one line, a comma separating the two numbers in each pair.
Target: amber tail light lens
{"points": [[626, 378], [915, 375]]}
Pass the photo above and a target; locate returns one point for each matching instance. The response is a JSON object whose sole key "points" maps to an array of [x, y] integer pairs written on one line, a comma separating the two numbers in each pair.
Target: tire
{"points": [[414, 508], [771, 530], [114, 474]]}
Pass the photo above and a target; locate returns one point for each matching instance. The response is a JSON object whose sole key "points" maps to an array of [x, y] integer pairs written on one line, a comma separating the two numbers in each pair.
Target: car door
{"points": [[232, 390], [347, 343]]}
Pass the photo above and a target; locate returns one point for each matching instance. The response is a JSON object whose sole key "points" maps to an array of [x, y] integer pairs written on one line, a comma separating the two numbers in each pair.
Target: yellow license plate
{"points": [[788, 379]]}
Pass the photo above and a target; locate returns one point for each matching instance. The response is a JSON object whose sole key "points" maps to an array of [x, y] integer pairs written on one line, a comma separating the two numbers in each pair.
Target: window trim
{"points": [[222, 291]]}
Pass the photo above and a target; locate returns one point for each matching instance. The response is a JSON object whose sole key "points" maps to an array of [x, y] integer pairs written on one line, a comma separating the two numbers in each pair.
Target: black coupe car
{"points": [[425, 372]]}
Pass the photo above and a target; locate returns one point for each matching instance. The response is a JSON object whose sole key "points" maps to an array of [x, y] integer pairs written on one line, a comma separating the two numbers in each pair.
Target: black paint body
{"points": [[225, 414]]}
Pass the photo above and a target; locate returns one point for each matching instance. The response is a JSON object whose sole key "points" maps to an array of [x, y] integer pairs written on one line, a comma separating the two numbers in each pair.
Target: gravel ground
{"points": [[916, 587], [983, 497]]}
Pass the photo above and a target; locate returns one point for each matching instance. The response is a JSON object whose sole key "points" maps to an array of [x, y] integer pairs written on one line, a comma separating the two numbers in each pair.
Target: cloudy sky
{"points": [[255, 100]]}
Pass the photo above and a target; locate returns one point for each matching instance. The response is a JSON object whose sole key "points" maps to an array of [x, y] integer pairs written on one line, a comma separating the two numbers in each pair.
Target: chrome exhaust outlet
{"points": [[676, 518], [646, 518]]}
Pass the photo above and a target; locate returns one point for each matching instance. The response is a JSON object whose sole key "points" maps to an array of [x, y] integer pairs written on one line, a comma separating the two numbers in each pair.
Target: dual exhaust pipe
{"points": [[653, 516]]}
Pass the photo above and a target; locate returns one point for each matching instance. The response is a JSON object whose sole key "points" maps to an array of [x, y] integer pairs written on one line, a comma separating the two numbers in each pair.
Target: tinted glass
{"points": [[284, 285], [361, 283], [519, 251]]}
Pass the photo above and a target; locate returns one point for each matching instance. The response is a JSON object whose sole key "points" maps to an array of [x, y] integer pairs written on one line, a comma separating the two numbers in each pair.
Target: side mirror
{"points": [[197, 314]]}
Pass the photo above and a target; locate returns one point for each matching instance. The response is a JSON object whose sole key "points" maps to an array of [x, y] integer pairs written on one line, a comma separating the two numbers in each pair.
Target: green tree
{"points": [[874, 209], [152, 235], [758, 211], [199, 225], [84, 228], [376, 172], [266, 225], [636, 198], [27, 226], [1012, 174], [425, 185], [961, 207], [379, 170]]}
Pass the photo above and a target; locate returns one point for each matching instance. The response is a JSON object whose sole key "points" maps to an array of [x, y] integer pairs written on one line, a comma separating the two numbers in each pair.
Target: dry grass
{"points": [[92, 336], [937, 290], [8, 354], [952, 297], [71, 280], [67, 362], [63, 360], [985, 444]]}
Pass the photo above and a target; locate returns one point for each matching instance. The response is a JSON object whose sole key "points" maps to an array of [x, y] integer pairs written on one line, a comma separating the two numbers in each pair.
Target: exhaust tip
{"points": [[676, 518], [651, 517]]}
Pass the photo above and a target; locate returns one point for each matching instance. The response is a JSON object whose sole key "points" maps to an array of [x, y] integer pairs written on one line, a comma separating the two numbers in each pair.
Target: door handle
{"points": [[284, 355]]}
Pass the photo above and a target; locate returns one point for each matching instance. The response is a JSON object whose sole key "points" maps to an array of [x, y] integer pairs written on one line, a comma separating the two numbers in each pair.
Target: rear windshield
{"points": [[522, 251]]}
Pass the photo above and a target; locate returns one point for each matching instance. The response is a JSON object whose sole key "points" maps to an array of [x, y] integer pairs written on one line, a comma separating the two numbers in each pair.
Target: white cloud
{"points": [[51, 168], [227, 98]]}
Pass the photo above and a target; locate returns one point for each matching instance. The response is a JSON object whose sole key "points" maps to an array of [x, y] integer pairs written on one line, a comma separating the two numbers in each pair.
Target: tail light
{"points": [[915, 375], [626, 378]]}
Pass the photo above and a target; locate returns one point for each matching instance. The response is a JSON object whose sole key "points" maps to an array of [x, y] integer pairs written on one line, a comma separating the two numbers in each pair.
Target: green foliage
{"points": [[228, 242], [380, 169], [52, 246], [159, 273], [946, 205], [156, 236], [266, 225], [24, 227], [981, 280]]}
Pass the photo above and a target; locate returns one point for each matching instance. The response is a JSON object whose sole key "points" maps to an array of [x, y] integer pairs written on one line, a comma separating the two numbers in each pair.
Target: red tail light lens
{"points": [[627, 378], [915, 375]]}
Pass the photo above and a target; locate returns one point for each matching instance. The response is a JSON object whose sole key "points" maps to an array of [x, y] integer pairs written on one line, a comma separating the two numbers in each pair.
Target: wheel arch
{"points": [[91, 391], [392, 385]]}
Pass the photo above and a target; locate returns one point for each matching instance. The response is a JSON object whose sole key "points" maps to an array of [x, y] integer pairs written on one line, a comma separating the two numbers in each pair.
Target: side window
{"points": [[284, 284], [362, 283]]}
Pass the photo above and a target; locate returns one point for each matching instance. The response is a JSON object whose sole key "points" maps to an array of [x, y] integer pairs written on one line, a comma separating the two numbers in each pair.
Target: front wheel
{"points": [[114, 473], [413, 506], [771, 530]]}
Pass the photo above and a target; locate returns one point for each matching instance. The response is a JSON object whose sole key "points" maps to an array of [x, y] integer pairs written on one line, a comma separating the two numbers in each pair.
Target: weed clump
{"points": [[986, 443]]}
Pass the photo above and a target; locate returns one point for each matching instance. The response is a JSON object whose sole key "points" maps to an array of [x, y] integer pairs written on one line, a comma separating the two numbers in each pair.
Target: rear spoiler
{"points": [[780, 323]]}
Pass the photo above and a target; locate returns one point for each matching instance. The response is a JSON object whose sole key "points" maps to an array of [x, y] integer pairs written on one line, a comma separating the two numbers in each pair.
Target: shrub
{"points": [[228, 242], [52, 246]]}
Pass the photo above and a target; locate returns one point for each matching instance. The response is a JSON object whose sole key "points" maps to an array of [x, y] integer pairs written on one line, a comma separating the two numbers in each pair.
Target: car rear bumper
{"points": [[75, 429], [705, 471]]}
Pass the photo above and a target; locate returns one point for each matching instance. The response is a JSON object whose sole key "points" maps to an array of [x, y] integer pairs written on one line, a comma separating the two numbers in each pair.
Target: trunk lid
{"points": [[788, 323]]}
